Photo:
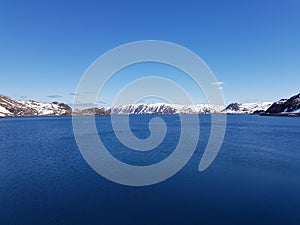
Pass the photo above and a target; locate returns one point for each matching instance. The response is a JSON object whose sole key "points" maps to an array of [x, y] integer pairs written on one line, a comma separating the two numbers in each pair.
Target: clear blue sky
{"points": [[251, 46]]}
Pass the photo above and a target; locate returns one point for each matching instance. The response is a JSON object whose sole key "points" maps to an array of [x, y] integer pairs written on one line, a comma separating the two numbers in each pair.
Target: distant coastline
{"points": [[17, 108]]}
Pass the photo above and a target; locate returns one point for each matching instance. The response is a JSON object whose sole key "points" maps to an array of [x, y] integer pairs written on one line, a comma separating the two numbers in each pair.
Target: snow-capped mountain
{"points": [[10, 107], [165, 108], [289, 106], [247, 108]]}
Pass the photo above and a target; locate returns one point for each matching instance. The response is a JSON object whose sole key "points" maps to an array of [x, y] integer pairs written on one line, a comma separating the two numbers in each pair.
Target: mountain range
{"points": [[10, 107], [283, 107]]}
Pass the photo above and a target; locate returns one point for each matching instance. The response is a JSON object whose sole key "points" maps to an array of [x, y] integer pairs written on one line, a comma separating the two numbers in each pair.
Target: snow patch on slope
{"points": [[296, 111], [4, 111], [44, 108]]}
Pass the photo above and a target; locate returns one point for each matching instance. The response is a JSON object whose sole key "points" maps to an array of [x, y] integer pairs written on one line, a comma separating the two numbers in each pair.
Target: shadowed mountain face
{"points": [[233, 106], [91, 112], [286, 106]]}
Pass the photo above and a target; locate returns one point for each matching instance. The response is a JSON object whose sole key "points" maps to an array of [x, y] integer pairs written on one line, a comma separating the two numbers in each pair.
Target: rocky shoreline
{"points": [[280, 114]]}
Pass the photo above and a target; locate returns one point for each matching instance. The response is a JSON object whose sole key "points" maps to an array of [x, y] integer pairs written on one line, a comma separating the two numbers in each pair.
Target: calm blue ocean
{"points": [[255, 179]]}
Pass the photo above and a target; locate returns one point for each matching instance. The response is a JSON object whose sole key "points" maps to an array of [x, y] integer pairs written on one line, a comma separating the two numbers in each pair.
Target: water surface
{"points": [[254, 179]]}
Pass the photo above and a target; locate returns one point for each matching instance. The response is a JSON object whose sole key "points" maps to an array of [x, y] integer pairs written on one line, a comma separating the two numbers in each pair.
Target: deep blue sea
{"points": [[255, 178]]}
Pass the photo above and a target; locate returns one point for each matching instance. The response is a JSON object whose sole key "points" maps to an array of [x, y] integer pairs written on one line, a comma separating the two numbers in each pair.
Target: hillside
{"points": [[10, 107], [285, 107]]}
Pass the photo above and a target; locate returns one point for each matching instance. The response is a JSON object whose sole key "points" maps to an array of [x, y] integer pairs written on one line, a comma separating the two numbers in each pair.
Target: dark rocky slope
{"points": [[285, 107]]}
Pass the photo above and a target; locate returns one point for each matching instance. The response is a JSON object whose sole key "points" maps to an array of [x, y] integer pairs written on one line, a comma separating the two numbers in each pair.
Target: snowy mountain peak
{"points": [[247, 108], [165, 108], [10, 107]]}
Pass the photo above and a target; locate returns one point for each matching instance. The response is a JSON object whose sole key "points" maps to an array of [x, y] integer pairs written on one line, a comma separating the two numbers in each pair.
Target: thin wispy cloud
{"points": [[54, 96], [217, 83], [89, 92], [73, 94], [103, 103]]}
